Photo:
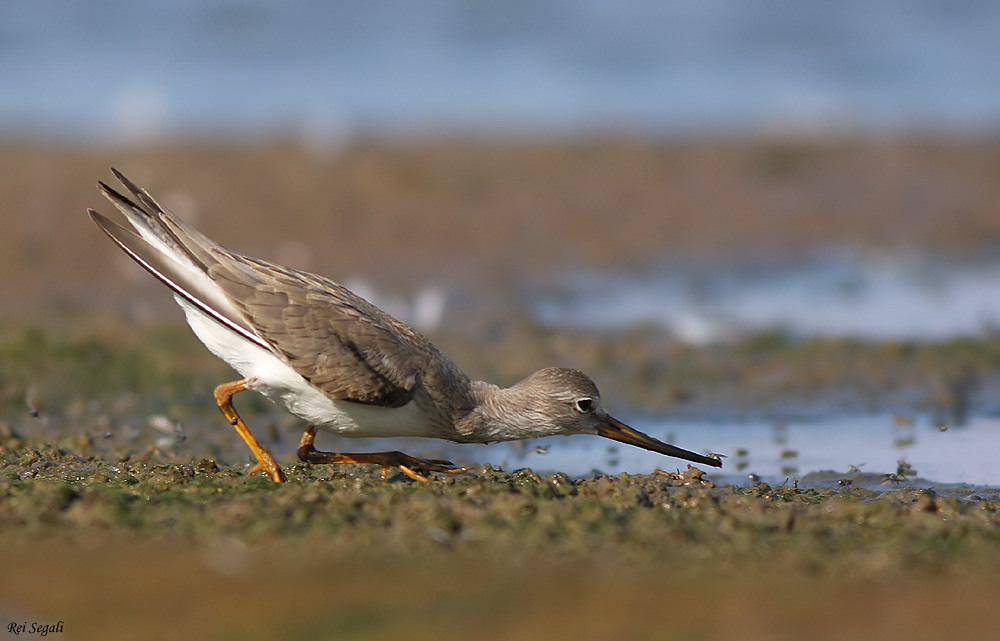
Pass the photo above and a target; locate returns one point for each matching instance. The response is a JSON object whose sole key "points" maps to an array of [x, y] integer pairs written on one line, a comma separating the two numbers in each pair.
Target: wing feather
{"points": [[341, 343]]}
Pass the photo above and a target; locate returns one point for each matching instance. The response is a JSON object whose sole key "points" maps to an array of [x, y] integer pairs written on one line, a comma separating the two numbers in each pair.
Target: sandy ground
{"points": [[490, 215]]}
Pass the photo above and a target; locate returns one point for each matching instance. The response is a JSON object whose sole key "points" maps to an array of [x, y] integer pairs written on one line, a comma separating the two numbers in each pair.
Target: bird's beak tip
{"points": [[615, 430]]}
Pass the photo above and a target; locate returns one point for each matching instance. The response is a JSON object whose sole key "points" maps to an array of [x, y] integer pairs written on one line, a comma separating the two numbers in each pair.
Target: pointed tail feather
{"points": [[199, 247], [174, 259]]}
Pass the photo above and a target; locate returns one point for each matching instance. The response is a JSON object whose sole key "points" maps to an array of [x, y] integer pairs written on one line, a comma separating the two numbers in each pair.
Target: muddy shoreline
{"points": [[518, 554]]}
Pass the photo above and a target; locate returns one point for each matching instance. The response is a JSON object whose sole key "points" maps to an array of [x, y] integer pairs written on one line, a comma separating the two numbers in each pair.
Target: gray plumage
{"points": [[297, 333]]}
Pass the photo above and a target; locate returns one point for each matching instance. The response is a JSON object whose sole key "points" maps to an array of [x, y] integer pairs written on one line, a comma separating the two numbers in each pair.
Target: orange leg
{"points": [[409, 465], [265, 462]]}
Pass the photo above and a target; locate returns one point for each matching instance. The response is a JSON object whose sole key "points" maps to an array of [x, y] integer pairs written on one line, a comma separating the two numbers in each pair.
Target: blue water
{"points": [[145, 69], [779, 450], [847, 294], [865, 447]]}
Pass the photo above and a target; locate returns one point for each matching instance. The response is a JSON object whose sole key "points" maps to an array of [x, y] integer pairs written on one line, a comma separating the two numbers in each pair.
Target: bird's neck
{"points": [[500, 414]]}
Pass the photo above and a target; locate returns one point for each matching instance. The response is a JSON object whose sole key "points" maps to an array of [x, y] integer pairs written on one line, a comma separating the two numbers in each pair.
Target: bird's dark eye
{"points": [[585, 405]]}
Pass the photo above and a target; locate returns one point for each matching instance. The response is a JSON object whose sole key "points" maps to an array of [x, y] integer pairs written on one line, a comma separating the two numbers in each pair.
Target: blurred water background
{"points": [[863, 295], [144, 69]]}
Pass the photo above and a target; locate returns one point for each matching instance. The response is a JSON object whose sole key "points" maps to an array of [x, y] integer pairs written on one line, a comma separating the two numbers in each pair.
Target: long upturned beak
{"points": [[617, 431]]}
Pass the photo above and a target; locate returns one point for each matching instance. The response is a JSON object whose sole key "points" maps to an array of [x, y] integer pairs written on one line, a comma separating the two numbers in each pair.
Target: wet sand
{"points": [[99, 508]]}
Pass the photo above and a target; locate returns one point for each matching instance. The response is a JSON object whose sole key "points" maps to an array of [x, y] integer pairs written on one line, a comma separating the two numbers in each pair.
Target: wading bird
{"points": [[340, 363]]}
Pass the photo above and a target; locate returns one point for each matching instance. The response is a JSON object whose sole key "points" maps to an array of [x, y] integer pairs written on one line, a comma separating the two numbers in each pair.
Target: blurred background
{"points": [[707, 168], [328, 72]]}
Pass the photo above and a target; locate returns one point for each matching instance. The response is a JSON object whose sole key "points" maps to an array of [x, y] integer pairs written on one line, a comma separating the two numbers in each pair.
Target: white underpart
{"points": [[269, 374]]}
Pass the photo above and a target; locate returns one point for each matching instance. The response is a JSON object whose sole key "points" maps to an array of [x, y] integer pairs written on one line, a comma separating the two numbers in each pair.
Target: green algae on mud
{"points": [[160, 367], [113, 427], [663, 518], [337, 550], [100, 505], [509, 555]]}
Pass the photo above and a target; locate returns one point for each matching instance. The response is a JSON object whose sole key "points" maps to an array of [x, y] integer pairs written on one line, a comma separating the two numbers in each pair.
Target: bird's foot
{"points": [[265, 462], [271, 468], [415, 468]]}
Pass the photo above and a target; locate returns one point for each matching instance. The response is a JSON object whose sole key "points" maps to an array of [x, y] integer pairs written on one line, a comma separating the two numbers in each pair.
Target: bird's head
{"points": [[560, 401]]}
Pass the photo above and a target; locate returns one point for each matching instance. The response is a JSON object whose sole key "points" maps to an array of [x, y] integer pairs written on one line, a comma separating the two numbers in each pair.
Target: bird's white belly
{"points": [[273, 377]]}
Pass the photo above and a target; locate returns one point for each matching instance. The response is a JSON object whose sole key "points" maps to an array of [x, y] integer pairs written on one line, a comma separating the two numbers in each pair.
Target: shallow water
{"points": [[775, 451], [874, 450], [842, 294]]}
